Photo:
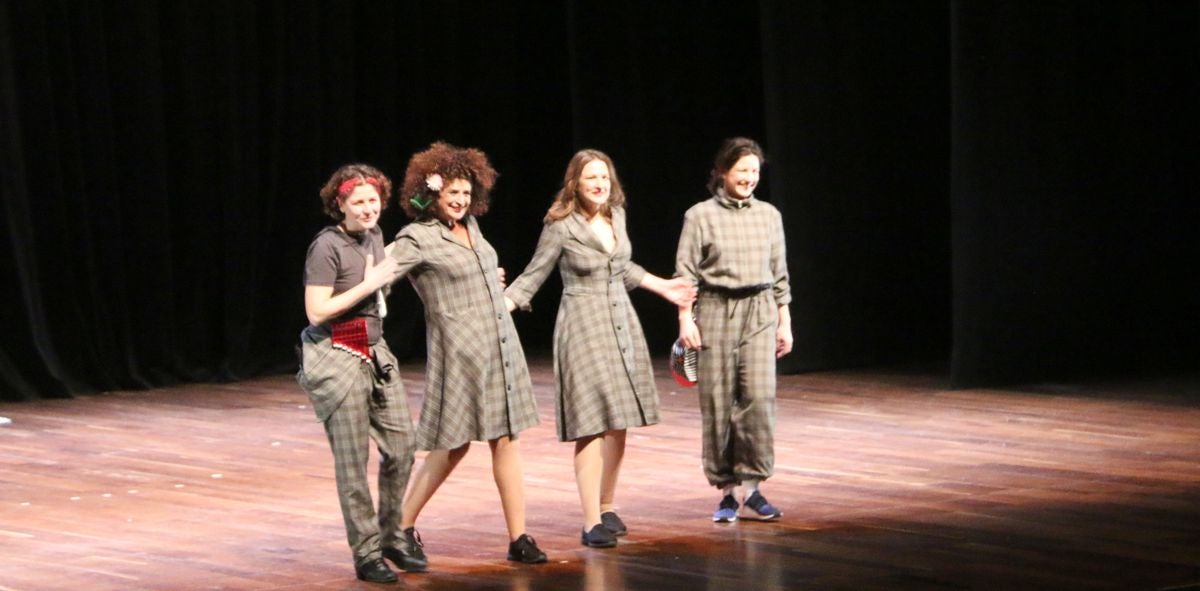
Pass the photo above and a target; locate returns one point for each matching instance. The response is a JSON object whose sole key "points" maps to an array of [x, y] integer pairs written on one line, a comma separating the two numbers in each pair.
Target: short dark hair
{"points": [[732, 150]]}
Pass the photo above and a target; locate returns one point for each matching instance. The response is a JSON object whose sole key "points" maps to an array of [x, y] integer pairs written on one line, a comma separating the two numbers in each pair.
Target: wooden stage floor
{"points": [[887, 480]]}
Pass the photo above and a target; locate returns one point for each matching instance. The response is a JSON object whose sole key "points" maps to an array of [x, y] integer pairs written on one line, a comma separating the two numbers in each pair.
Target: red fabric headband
{"points": [[349, 184]]}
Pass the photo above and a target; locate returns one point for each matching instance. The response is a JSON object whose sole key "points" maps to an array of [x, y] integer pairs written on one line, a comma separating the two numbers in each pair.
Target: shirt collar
{"points": [[729, 202]]}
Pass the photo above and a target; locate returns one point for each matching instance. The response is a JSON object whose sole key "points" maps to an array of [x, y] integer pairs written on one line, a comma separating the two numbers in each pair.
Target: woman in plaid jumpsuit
{"points": [[477, 385], [602, 365], [732, 249]]}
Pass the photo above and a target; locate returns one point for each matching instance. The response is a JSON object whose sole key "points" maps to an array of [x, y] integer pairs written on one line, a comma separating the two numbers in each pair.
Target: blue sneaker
{"points": [[757, 507], [727, 511]]}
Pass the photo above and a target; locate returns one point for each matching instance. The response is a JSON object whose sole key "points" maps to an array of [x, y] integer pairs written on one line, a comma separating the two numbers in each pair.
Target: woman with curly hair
{"points": [[604, 383], [477, 385], [350, 374]]}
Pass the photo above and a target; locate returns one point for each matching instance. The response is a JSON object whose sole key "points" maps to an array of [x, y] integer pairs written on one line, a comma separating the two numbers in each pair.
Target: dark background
{"points": [[1001, 191]]}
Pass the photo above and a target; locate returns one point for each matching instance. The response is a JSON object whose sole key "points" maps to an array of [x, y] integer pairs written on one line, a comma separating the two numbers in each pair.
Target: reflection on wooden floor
{"points": [[887, 480]]}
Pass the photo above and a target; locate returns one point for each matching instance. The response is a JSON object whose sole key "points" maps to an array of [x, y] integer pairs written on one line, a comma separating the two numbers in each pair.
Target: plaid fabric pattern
{"points": [[601, 360], [737, 386], [358, 404], [477, 385], [733, 244]]}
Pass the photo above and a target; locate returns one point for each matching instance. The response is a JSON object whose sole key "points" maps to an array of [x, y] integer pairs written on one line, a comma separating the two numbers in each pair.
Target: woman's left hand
{"points": [[500, 272], [783, 341]]}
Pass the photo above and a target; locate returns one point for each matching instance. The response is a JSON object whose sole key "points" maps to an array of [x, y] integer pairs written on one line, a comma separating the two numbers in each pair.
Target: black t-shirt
{"points": [[339, 260]]}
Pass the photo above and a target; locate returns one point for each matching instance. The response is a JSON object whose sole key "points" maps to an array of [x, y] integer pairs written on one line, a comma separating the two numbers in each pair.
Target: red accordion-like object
{"points": [[683, 364], [351, 337]]}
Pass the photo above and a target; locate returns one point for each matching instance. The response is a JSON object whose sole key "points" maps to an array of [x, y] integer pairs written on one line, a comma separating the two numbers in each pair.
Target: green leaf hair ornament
{"points": [[418, 202]]}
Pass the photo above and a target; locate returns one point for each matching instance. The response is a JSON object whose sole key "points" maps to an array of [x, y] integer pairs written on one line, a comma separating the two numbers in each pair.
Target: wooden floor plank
{"points": [[887, 480]]}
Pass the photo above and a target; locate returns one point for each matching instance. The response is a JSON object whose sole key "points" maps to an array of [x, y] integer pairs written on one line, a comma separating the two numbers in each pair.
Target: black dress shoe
{"points": [[375, 571], [598, 537], [408, 554], [613, 523], [524, 549]]}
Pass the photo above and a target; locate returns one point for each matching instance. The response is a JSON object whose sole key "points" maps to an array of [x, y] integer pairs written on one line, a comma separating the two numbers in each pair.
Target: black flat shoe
{"points": [[408, 554], [598, 537], [613, 523], [375, 571], [524, 549]]}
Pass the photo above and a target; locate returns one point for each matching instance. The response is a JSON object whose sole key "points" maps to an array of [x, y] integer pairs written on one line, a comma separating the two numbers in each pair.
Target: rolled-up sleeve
{"points": [[781, 285]]}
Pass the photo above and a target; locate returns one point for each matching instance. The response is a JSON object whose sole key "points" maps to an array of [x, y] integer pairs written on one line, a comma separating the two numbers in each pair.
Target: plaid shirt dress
{"points": [[601, 361], [477, 385]]}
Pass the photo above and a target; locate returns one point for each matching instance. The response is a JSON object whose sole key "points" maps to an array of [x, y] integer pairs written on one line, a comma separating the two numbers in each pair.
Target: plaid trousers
{"points": [[736, 382], [359, 403]]}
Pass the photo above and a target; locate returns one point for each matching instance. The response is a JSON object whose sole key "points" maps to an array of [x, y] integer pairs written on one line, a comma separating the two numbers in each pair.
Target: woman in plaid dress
{"points": [[350, 374], [732, 248], [477, 385], [604, 383]]}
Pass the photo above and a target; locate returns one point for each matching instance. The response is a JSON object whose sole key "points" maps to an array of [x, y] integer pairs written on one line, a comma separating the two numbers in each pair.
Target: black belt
{"points": [[735, 292]]}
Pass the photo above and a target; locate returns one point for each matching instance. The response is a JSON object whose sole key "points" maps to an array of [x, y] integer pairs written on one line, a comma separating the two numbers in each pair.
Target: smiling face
{"points": [[454, 200], [360, 209], [742, 177], [594, 185]]}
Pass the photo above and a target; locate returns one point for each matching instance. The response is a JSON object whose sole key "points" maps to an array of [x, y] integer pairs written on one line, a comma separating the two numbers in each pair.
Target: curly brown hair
{"points": [[732, 150], [451, 163], [567, 199], [329, 192]]}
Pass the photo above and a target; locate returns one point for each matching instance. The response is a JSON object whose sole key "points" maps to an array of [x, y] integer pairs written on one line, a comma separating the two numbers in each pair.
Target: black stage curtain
{"points": [[857, 127], [1007, 189], [162, 162], [1074, 188]]}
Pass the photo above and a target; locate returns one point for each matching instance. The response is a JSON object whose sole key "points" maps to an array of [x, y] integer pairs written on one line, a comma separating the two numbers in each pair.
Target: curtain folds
{"points": [[1004, 191]]}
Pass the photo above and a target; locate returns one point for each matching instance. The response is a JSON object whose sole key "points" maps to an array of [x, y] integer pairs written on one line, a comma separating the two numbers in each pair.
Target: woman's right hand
{"points": [[378, 276], [689, 332], [679, 291]]}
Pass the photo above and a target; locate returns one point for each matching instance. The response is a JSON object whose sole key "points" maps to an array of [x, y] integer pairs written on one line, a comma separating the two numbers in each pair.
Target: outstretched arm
{"points": [[545, 257], [678, 291]]}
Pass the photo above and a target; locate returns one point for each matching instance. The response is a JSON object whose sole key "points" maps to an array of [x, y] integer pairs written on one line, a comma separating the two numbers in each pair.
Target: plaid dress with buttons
{"points": [[477, 385], [601, 362], [728, 245]]}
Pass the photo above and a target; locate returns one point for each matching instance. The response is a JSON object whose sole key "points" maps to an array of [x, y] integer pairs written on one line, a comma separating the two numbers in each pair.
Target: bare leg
{"points": [[614, 453], [438, 464], [589, 464], [510, 482]]}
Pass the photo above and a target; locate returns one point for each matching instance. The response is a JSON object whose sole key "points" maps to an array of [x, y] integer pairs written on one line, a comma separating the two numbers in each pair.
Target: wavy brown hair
{"points": [[732, 150], [567, 200], [329, 192], [451, 163]]}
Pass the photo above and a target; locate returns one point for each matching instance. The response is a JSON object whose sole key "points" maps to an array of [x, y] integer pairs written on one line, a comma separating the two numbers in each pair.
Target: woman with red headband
{"points": [[350, 374]]}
